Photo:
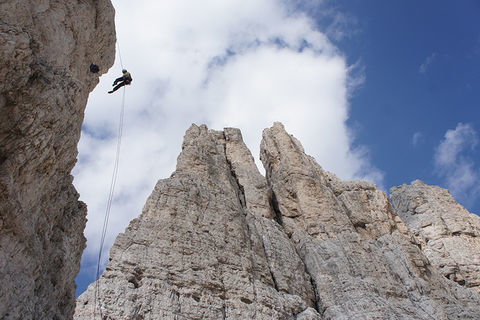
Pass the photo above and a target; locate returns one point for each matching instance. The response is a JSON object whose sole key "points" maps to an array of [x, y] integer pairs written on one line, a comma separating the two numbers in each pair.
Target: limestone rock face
{"points": [[199, 250], [363, 261], [217, 240], [46, 47], [449, 235]]}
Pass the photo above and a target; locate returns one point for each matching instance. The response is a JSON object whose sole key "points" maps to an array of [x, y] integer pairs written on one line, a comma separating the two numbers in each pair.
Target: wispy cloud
{"points": [[454, 162], [357, 77], [427, 63], [342, 26], [417, 138]]}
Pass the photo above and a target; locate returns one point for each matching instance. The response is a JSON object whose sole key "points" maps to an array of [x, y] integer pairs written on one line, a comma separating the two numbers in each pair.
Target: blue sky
{"points": [[387, 91], [422, 71]]}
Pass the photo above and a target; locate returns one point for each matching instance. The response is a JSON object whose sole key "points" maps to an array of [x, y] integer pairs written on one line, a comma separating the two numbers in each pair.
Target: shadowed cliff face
{"points": [[47, 47], [217, 240]]}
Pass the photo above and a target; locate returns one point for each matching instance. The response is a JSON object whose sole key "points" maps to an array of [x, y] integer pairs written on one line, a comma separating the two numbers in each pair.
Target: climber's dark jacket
{"points": [[125, 79]]}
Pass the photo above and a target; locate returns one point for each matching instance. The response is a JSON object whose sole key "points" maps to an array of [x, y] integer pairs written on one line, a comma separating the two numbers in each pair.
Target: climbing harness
{"points": [[113, 183]]}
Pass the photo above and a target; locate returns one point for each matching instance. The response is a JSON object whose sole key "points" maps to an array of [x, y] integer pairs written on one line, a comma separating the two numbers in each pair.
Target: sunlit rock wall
{"points": [[449, 235], [217, 240]]}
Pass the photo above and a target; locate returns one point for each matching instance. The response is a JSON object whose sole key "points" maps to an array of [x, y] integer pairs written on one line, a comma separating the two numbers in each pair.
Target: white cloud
{"points": [[449, 151], [417, 138], [239, 63], [456, 166], [427, 63]]}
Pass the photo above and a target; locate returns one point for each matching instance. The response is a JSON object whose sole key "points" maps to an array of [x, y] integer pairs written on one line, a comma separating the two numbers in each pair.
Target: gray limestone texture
{"points": [[217, 240], [449, 235], [199, 251], [46, 48]]}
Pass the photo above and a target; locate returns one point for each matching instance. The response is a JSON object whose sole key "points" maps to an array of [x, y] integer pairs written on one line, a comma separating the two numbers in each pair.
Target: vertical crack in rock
{"points": [[242, 199], [259, 205], [275, 207], [236, 184], [272, 275], [246, 172], [318, 302]]}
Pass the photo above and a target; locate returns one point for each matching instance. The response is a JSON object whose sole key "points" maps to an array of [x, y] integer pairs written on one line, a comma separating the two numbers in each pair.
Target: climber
{"points": [[125, 79]]}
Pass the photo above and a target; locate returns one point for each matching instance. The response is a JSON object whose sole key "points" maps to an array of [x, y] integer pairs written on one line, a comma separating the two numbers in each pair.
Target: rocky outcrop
{"points": [[363, 261], [217, 240], [47, 47], [449, 235], [198, 251]]}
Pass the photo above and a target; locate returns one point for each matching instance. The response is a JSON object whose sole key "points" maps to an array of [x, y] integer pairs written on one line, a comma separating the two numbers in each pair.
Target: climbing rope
{"points": [[119, 54], [113, 183]]}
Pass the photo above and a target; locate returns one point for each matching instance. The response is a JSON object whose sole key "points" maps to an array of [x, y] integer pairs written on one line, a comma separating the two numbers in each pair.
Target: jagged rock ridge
{"points": [[47, 47], [198, 251], [217, 240]]}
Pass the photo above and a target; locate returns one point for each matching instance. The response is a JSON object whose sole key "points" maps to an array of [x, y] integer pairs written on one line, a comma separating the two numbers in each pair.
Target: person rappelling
{"points": [[124, 80]]}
